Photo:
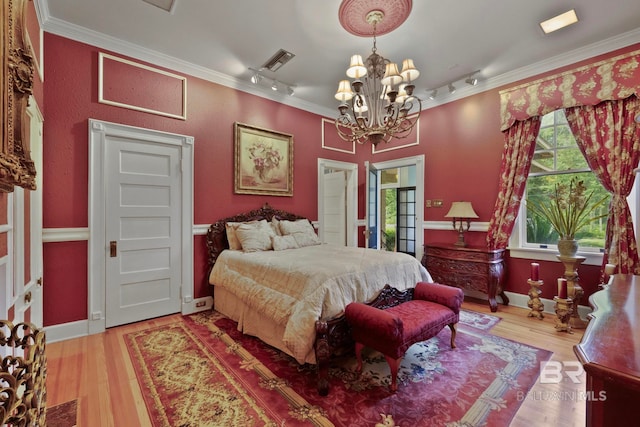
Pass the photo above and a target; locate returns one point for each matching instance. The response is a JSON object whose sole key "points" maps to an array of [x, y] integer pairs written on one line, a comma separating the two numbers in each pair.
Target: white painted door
{"points": [[142, 230], [372, 231], [335, 208]]}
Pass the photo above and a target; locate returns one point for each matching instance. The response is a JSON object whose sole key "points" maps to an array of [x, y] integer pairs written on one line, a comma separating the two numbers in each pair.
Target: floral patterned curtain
{"points": [[609, 138], [610, 79], [520, 143]]}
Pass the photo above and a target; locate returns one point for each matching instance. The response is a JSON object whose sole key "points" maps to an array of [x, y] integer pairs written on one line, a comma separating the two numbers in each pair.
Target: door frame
{"points": [[418, 162], [98, 247], [351, 170]]}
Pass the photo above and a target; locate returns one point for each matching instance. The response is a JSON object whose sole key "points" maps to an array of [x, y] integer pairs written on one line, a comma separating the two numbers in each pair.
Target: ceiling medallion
{"points": [[353, 15], [378, 104]]}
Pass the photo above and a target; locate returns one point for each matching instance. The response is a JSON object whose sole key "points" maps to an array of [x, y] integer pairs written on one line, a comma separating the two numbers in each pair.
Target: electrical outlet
{"points": [[201, 303], [427, 203], [437, 203]]}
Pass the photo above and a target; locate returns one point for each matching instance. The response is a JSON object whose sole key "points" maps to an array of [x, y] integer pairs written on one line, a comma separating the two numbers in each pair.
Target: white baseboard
{"points": [[197, 305], [67, 331]]}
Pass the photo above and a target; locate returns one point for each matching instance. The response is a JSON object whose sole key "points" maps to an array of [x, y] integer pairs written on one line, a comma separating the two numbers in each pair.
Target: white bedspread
{"points": [[296, 287]]}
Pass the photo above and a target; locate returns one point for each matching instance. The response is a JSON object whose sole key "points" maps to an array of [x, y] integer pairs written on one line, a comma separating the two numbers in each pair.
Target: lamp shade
{"points": [[356, 68], [409, 71], [461, 210], [391, 75], [344, 92]]}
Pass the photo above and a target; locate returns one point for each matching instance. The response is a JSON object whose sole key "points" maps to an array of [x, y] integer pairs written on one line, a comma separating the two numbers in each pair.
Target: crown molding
{"points": [[84, 35]]}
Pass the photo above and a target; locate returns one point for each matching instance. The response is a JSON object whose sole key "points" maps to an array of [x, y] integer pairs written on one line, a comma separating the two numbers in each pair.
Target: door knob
{"points": [[113, 249]]}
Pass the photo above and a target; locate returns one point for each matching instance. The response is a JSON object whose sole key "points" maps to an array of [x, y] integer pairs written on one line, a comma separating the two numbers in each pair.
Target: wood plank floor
{"points": [[96, 370]]}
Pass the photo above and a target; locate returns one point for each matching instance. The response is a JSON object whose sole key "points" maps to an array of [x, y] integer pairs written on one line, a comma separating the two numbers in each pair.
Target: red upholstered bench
{"points": [[393, 330]]}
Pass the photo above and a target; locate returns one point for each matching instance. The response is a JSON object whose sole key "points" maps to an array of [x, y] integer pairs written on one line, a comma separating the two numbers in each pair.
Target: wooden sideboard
{"points": [[610, 353], [467, 267]]}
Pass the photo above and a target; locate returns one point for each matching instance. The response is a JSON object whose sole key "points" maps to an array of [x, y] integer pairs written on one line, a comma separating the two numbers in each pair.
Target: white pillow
{"points": [[234, 243], [275, 224], [297, 226], [255, 237], [306, 239], [281, 243]]}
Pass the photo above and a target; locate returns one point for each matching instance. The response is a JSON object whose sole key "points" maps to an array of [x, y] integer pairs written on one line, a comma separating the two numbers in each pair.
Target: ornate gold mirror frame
{"points": [[16, 166]]}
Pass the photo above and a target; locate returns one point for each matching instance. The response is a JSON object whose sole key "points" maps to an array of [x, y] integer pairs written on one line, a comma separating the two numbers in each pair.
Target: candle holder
{"points": [[575, 291], [534, 303], [564, 310]]}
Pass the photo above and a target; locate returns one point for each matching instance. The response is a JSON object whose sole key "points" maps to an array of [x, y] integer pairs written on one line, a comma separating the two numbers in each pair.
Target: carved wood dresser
{"points": [[467, 267]]}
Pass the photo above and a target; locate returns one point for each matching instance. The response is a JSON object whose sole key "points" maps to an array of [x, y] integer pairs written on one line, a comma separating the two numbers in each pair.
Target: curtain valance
{"points": [[610, 79]]}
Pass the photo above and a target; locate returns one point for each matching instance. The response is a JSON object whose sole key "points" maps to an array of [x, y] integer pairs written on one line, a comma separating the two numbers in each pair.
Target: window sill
{"points": [[593, 258]]}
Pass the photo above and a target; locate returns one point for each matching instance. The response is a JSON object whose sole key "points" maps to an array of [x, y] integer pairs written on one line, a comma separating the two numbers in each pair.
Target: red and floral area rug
{"points": [[200, 371]]}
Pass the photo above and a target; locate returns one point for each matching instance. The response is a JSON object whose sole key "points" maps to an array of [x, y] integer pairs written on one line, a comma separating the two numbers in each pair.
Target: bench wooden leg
{"points": [[452, 326], [394, 364], [359, 356]]}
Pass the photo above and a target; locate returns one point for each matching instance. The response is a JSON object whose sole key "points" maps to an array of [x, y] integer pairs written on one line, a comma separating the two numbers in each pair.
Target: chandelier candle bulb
{"points": [[535, 267], [562, 288]]}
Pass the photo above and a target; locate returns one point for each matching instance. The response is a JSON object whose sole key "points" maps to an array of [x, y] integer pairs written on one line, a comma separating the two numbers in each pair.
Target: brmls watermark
{"points": [[567, 395], [553, 372]]}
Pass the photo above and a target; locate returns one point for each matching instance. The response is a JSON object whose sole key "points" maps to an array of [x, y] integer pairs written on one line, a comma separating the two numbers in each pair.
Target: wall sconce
{"points": [[461, 212]]}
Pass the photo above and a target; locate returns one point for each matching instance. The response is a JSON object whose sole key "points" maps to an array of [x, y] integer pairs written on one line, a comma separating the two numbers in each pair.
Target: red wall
{"points": [[461, 142]]}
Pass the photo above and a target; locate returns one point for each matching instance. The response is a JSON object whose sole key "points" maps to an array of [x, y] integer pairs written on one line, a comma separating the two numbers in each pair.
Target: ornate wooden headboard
{"points": [[16, 81], [217, 233]]}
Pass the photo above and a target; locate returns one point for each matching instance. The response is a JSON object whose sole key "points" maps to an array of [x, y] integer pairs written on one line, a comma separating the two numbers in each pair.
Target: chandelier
{"points": [[378, 104]]}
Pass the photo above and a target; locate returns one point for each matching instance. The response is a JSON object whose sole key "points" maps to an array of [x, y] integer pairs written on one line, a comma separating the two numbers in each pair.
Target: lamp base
{"points": [[460, 241]]}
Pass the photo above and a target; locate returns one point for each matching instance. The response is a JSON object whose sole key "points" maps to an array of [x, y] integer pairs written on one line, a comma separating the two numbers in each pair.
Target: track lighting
{"points": [[468, 79], [471, 81], [257, 78]]}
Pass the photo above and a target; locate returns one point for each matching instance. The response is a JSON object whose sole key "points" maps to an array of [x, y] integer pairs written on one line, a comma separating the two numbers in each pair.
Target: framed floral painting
{"points": [[263, 161]]}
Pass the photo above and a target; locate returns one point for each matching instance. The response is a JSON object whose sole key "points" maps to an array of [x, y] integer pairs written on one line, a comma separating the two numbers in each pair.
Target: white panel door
{"points": [[335, 208], [143, 258]]}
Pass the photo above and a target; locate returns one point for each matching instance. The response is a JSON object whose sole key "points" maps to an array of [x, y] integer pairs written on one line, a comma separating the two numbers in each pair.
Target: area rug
{"points": [[200, 371], [62, 415]]}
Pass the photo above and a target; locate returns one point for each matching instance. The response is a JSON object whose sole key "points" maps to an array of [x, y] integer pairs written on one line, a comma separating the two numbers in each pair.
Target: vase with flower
{"points": [[568, 210], [266, 159]]}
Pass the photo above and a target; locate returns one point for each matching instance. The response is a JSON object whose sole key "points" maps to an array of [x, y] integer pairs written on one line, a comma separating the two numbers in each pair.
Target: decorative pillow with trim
{"points": [[255, 236], [280, 243]]}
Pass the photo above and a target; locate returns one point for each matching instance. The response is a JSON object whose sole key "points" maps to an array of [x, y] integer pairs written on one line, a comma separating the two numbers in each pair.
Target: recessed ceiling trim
{"points": [[167, 5]]}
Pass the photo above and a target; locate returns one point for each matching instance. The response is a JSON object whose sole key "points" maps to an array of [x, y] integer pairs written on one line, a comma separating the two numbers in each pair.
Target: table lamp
{"points": [[461, 212]]}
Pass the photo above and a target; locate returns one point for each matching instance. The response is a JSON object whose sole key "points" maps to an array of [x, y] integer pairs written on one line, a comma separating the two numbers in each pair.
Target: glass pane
{"points": [[571, 159], [540, 190], [411, 209]]}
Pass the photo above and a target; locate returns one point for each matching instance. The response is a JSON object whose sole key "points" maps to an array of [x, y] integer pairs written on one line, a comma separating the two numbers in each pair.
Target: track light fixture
{"points": [[468, 79], [275, 85], [471, 81]]}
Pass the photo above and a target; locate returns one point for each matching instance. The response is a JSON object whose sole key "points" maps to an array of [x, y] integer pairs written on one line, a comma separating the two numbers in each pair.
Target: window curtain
{"points": [[609, 138], [520, 144]]}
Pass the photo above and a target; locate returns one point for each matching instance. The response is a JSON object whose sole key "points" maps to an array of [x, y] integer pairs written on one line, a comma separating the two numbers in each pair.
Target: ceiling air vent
{"points": [[168, 5], [280, 58]]}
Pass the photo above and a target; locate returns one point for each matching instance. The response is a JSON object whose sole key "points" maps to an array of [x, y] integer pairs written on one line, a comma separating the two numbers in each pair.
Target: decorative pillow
{"points": [[281, 243], [234, 243], [297, 226], [255, 236], [306, 239], [275, 224]]}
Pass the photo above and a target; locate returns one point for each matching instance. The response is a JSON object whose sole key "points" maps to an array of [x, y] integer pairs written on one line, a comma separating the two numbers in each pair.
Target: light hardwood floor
{"points": [[96, 370]]}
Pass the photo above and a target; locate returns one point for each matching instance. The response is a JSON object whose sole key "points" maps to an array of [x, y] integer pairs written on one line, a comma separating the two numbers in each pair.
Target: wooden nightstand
{"points": [[467, 267]]}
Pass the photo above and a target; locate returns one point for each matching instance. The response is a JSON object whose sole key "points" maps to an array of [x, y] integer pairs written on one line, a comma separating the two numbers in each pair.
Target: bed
{"points": [[271, 274]]}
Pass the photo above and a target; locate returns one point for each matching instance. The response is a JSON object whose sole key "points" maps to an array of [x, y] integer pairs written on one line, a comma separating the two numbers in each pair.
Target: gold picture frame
{"points": [[263, 161]]}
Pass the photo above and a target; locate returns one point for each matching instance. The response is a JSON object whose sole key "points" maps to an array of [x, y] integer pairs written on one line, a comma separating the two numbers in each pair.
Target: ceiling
{"points": [[221, 40]]}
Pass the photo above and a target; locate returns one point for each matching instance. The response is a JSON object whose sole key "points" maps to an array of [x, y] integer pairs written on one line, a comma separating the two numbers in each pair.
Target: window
{"points": [[557, 159]]}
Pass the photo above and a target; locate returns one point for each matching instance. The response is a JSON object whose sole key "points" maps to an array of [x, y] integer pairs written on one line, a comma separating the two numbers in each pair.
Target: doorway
{"points": [[140, 224], [395, 193]]}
